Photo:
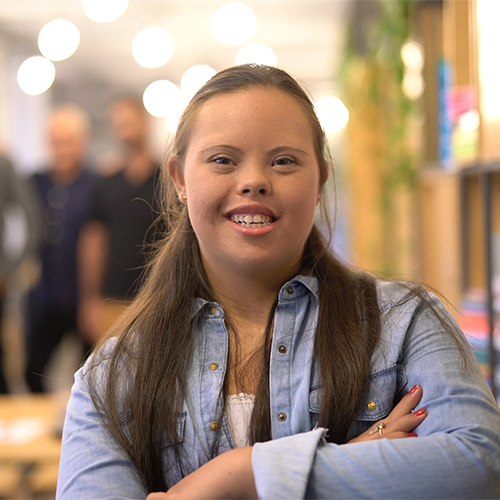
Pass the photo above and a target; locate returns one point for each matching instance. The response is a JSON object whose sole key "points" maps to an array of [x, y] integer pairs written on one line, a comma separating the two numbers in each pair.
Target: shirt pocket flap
{"points": [[316, 399], [181, 424], [382, 390]]}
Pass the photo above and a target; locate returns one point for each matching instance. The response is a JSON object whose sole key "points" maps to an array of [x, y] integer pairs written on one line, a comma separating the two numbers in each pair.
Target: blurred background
{"points": [[407, 91], [305, 37]]}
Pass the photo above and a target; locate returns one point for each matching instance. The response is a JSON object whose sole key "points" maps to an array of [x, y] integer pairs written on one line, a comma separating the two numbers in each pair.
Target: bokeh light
{"points": [[413, 85], [36, 75], [332, 113], [412, 55], [152, 47], [58, 39], [257, 53], [193, 78], [234, 23], [162, 98], [469, 121], [104, 11]]}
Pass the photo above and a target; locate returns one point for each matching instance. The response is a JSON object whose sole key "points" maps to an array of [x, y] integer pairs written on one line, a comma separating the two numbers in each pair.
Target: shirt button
{"points": [[282, 349], [371, 406], [214, 426], [282, 417], [213, 366], [289, 290], [212, 310]]}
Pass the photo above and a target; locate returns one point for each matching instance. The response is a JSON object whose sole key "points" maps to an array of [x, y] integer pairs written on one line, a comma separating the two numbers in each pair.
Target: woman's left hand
{"points": [[227, 476], [400, 422]]}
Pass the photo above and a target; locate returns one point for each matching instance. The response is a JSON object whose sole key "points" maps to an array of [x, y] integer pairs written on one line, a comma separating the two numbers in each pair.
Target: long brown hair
{"points": [[149, 361]]}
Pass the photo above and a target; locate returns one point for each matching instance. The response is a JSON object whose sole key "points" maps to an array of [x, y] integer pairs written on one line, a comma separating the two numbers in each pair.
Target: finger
{"points": [[397, 435], [404, 424], [396, 431], [406, 405]]}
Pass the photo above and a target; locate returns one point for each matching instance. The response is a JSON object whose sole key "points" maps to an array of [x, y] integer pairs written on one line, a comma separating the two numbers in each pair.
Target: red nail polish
{"points": [[412, 435], [414, 389], [420, 412]]}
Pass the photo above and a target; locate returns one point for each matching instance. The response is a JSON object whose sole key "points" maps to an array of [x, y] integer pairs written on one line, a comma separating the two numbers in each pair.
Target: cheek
{"points": [[203, 205], [304, 201]]}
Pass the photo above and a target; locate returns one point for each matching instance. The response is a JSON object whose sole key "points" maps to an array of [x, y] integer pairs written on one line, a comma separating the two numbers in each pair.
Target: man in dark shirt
{"points": [[120, 227], [64, 191]]}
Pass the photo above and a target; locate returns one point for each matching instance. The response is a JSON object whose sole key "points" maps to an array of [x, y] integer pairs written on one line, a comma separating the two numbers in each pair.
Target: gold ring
{"points": [[378, 428]]}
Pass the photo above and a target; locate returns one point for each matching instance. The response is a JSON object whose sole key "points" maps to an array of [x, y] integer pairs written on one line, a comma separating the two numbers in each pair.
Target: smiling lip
{"points": [[252, 217]]}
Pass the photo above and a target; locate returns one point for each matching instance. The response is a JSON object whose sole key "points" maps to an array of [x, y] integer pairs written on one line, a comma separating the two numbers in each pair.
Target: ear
{"points": [[324, 175], [177, 175]]}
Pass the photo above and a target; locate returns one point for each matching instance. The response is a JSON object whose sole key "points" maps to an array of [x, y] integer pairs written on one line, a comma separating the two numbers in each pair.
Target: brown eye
{"points": [[223, 161], [284, 161]]}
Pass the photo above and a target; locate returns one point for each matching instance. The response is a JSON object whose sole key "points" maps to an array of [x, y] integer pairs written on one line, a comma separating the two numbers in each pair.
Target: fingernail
{"points": [[414, 389], [412, 435], [420, 412]]}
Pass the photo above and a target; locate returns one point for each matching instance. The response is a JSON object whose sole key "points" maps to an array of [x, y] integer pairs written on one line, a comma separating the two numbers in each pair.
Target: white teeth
{"points": [[252, 221]]}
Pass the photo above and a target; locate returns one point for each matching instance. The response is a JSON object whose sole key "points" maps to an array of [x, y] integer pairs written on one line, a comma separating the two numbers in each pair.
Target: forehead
{"points": [[264, 112], [65, 125]]}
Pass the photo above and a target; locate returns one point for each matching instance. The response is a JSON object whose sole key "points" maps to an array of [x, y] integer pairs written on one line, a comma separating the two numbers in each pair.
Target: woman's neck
{"points": [[247, 297], [247, 322]]}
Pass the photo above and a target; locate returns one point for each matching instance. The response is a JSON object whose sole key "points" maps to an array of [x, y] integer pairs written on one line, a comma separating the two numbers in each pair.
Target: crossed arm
{"points": [[230, 475]]}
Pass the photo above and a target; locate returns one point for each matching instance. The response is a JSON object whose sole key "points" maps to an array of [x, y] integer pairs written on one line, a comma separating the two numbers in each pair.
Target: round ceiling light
{"points": [[104, 11], [257, 53], [58, 39], [234, 23], [332, 113], [36, 75], [152, 47], [162, 98], [194, 78]]}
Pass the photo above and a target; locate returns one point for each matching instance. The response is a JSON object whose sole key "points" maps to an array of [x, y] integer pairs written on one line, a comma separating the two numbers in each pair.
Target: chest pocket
{"points": [[166, 443], [383, 390], [315, 404], [171, 458], [179, 438]]}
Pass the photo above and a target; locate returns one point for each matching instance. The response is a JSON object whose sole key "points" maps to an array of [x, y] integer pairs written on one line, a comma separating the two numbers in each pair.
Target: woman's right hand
{"points": [[400, 422]]}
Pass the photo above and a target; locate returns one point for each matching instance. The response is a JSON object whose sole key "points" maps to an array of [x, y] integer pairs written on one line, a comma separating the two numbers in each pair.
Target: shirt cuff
{"points": [[281, 467]]}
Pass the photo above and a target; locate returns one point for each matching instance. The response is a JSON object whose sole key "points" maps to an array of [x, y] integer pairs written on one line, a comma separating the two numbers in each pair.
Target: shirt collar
{"points": [[302, 284]]}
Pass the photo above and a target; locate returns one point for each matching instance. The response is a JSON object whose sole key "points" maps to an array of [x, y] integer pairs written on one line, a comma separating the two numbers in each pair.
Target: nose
{"points": [[253, 179]]}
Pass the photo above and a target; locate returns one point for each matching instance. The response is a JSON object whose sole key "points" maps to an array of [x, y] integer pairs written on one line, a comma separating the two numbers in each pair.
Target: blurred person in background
{"points": [[15, 194], [64, 189], [124, 208]]}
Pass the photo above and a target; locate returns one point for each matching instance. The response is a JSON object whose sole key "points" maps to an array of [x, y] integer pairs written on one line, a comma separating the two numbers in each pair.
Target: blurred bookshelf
{"points": [[480, 248], [460, 174]]}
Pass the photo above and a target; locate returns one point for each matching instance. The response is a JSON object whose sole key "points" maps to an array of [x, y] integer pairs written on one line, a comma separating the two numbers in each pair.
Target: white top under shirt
{"points": [[239, 409]]}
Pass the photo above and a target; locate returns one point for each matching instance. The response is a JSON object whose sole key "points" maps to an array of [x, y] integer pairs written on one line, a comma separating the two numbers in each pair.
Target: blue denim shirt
{"points": [[457, 453]]}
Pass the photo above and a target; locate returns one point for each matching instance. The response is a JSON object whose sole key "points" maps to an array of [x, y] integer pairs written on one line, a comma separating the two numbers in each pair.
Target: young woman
{"points": [[253, 363]]}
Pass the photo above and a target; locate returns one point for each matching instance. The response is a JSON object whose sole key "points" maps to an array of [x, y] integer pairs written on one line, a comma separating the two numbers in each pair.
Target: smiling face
{"points": [[252, 182]]}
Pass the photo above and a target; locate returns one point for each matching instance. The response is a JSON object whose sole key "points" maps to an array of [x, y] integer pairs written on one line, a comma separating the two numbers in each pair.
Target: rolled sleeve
{"points": [[289, 459]]}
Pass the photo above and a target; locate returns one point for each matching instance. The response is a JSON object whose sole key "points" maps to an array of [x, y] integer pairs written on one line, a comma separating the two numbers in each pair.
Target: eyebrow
{"points": [[281, 148], [239, 150], [224, 146]]}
